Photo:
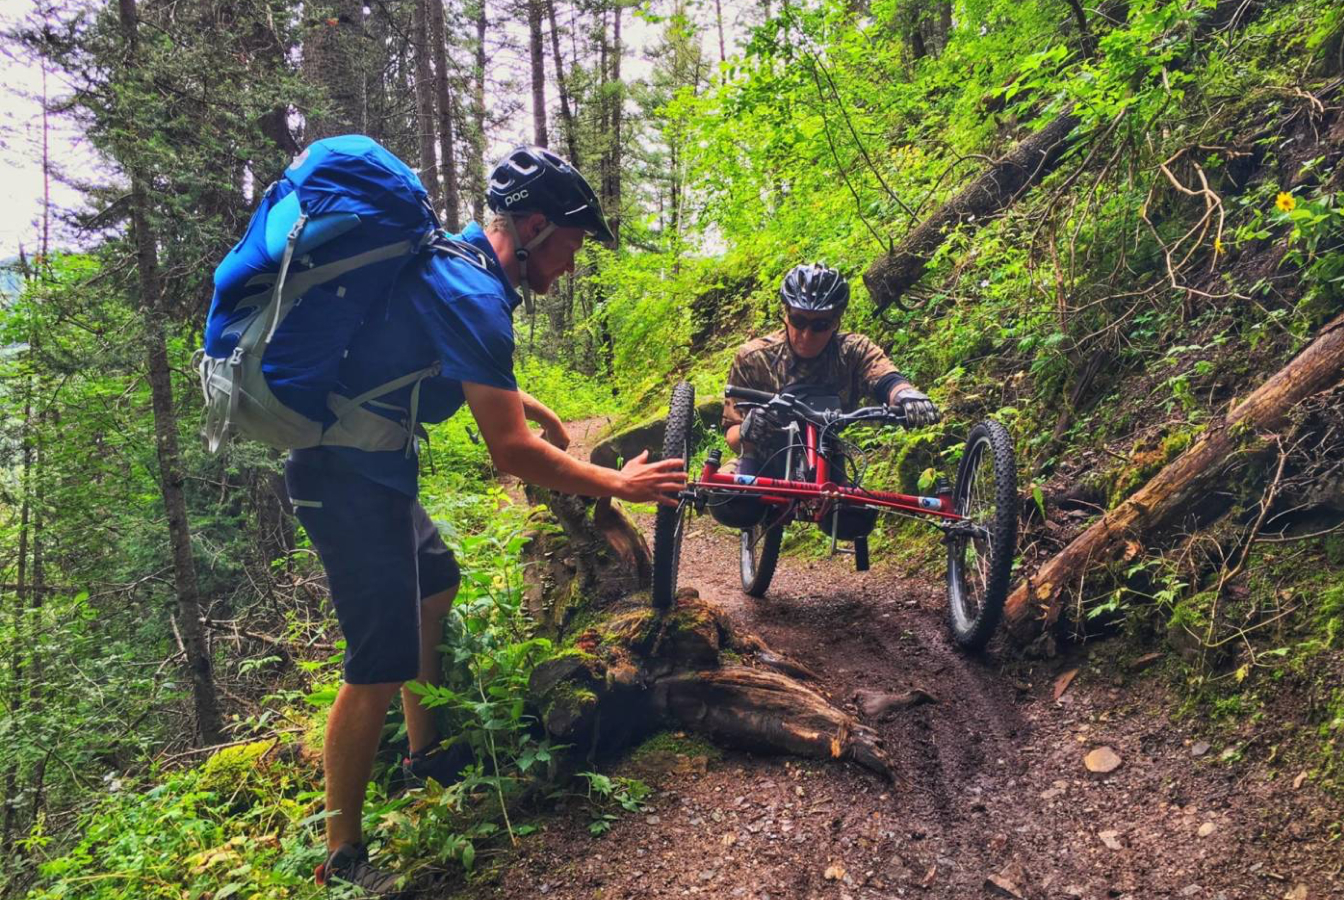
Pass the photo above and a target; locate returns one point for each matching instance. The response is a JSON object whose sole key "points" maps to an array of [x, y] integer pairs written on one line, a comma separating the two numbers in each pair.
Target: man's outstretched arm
{"points": [[519, 452]]}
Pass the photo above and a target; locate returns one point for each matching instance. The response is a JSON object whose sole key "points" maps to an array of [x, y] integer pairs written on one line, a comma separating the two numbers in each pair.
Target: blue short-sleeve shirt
{"points": [[453, 308]]}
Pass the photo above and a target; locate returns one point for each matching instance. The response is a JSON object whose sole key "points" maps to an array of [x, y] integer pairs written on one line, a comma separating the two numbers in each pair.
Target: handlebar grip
{"points": [[741, 393]]}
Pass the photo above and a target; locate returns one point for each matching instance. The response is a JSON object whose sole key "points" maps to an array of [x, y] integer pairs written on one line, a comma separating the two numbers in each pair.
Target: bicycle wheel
{"points": [[669, 524], [979, 566], [760, 553]]}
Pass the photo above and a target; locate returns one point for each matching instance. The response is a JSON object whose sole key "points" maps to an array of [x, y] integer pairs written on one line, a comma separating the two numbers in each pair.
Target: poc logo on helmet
{"points": [[514, 198]]}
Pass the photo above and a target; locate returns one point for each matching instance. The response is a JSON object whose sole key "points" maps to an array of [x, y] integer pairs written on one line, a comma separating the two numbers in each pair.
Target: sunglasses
{"points": [[820, 326]]}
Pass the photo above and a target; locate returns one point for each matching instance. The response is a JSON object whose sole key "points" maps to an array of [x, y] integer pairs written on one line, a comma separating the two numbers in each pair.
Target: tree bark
{"points": [[452, 201], [718, 21], [1170, 499], [566, 114], [478, 144], [333, 57], [208, 722], [537, 55], [1029, 162], [425, 90], [613, 188]]}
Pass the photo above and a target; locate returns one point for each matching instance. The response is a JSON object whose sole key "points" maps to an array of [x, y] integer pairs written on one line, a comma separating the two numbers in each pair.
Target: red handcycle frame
{"points": [[782, 492]]}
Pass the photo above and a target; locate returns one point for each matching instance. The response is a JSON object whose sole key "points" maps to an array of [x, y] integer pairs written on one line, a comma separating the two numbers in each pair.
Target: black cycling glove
{"points": [[760, 426], [919, 409]]}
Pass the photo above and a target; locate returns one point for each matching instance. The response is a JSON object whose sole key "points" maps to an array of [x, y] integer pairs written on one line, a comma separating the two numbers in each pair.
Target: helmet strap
{"points": [[521, 252]]}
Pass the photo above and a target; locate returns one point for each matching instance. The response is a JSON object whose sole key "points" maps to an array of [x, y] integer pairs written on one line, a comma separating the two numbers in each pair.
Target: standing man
{"points": [[392, 578]]}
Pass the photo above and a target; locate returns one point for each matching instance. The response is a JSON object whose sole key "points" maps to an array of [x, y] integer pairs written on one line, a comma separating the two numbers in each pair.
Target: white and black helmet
{"points": [[815, 287]]}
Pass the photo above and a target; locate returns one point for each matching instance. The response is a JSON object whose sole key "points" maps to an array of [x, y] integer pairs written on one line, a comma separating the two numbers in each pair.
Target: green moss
{"points": [[231, 767], [676, 742]]}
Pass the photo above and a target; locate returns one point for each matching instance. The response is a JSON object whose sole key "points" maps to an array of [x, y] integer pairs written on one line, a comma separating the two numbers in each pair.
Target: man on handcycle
{"points": [[827, 367]]}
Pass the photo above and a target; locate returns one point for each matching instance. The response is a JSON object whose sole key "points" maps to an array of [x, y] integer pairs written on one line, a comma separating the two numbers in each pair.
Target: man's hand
{"points": [[759, 426], [555, 434], [643, 482], [919, 409]]}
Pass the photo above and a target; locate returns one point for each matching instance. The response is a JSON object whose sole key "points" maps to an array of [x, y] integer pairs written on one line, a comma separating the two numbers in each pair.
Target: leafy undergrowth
{"points": [[247, 821]]}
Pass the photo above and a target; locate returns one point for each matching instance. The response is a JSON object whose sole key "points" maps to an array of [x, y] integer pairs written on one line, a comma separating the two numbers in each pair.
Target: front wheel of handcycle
{"points": [[760, 553], [980, 554], [669, 524]]}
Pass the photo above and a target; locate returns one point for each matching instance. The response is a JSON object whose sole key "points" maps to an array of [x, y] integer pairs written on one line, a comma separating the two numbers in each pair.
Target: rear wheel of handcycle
{"points": [[669, 524], [979, 566], [760, 553]]}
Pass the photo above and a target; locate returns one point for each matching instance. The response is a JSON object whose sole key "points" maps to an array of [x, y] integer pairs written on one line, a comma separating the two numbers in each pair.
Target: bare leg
{"points": [[420, 730], [353, 729]]}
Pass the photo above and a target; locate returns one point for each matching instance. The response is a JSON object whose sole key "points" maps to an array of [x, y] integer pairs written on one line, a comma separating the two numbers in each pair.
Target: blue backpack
{"points": [[326, 243]]}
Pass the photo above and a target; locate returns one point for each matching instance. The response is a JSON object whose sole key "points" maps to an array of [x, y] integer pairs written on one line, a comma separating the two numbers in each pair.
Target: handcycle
{"points": [[977, 513]]}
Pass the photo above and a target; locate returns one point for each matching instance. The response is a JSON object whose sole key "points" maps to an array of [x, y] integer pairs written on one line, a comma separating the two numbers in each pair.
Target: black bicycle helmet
{"points": [[815, 287], [533, 179]]}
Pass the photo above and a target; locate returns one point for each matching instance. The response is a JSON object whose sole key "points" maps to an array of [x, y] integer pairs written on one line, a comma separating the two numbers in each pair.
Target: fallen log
{"points": [[1171, 497], [1006, 179], [628, 670], [689, 667]]}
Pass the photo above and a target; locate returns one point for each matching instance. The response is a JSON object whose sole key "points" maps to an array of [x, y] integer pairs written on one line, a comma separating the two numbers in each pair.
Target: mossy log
{"points": [[637, 670], [1170, 500]]}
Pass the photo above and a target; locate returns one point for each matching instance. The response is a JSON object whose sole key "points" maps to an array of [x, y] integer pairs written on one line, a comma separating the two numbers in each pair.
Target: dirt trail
{"points": [[993, 777]]}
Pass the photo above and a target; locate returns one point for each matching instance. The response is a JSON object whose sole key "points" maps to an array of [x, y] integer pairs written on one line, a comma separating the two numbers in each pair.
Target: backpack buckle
{"points": [[236, 357]]}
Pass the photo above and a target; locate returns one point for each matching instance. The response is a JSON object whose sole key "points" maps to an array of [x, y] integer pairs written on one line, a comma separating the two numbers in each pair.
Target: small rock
{"points": [[1190, 890], [707, 875], [1062, 683], [1111, 839], [1207, 829], [1000, 886], [1051, 793], [544, 888], [1200, 748], [728, 839], [1102, 760], [1296, 892], [652, 820], [1299, 781], [834, 872], [798, 789]]}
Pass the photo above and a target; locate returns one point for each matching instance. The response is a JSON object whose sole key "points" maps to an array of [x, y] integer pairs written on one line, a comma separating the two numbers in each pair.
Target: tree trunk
{"points": [[1029, 162], [613, 190], [537, 56], [566, 114], [9, 817], [718, 21], [452, 202], [1171, 498], [333, 57], [478, 143], [1006, 180], [208, 722], [425, 90]]}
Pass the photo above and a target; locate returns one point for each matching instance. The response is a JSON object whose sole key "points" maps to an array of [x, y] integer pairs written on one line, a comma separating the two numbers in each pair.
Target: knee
{"points": [[436, 606]]}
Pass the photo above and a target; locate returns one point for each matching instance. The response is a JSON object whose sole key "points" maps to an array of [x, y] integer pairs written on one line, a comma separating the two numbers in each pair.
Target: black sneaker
{"points": [[349, 863], [443, 765]]}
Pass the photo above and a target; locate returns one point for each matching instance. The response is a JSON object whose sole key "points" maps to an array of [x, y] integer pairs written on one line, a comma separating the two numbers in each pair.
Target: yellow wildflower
{"points": [[1286, 202], [1217, 245]]}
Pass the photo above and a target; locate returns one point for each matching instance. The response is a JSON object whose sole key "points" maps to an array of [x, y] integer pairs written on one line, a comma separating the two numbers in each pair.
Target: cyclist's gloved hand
{"points": [[919, 409], [760, 426]]}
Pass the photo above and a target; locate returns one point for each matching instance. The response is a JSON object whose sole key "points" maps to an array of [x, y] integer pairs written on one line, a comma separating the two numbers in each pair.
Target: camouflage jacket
{"points": [[851, 364]]}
